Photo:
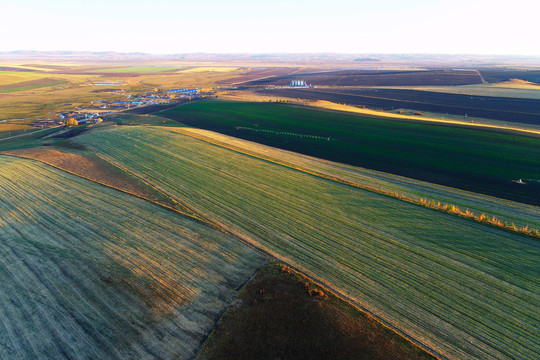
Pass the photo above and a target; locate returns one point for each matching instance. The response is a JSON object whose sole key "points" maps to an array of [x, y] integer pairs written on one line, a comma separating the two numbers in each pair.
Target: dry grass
{"points": [[13, 77], [87, 165], [517, 84], [40, 102], [90, 272]]}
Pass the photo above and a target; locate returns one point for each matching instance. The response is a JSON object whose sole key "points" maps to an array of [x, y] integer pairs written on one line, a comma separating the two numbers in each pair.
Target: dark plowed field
{"points": [[377, 78], [504, 109], [491, 75], [258, 73]]}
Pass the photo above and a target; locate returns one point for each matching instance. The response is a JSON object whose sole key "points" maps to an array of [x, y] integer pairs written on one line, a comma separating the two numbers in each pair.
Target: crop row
{"points": [[90, 272], [460, 288], [497, 212], [471, 159]]}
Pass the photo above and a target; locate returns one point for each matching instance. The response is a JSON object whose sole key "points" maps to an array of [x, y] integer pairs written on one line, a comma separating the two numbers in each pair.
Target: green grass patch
{"points": [[34, 138], [464, 289], [472, 159]]}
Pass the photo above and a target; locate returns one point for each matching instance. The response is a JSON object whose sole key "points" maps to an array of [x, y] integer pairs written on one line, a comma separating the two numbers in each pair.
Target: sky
{"points": [[279, 26]]}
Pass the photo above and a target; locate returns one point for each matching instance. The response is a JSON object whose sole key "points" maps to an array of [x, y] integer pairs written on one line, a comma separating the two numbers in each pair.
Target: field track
{"points": [[90, 272], [466, 290]]}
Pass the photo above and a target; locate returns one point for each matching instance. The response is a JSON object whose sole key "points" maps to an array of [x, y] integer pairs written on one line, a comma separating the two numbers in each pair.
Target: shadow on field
{"points": [[280, 314]]}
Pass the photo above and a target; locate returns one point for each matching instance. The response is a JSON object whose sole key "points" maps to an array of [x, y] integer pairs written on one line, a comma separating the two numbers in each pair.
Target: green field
{"points": [[462, 289], [137, 69], [472, 159], [90, 272]]}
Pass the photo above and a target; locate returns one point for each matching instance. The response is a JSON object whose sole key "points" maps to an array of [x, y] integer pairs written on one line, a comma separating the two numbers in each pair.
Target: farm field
{"points": [[60, 87], [280, 314], [480, 161], [137, 69], [498, 75], [90, 272], [376, 78], [507, 211], [86, 164], [254, 74], [508, 89], [525, 111], [462, 289]]}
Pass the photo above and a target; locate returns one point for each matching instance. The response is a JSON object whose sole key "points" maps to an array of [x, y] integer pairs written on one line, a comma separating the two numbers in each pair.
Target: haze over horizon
{"points": [[239, 26]]}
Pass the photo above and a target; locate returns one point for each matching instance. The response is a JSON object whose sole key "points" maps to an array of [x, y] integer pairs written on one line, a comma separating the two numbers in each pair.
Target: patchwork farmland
{"points": [[237, 217], [462, 289], [472, 159], [376, 78]]}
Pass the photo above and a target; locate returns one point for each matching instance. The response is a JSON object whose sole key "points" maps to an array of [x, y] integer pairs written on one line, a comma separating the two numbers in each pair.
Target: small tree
{"points": [[71, 122]]}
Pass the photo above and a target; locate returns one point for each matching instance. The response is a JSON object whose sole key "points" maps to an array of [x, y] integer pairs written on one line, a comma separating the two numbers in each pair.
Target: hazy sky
{"points": [[255, 26]]}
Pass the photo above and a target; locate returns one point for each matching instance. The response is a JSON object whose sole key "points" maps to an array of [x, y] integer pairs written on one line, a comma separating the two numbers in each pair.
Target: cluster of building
{"points": [[92, 113]]}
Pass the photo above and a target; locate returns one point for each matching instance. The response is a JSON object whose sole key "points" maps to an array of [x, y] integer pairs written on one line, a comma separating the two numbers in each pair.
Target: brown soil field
{"points": [[376, 78], [88, 165], [280, 314], [259, 73]]}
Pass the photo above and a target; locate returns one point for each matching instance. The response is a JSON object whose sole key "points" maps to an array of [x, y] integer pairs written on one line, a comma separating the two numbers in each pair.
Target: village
{"points": [[93, 112]]}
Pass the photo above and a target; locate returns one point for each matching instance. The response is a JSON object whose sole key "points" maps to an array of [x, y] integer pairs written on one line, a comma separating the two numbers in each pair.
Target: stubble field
{"points": [[90, 272]]}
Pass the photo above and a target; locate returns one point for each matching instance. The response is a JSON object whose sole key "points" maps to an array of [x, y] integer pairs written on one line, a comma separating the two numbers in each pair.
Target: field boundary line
{"points": [[114, 187], [442, 208]]}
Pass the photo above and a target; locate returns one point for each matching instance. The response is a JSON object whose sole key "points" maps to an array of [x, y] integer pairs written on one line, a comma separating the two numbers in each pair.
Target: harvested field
{"points": [[90, 272], [255, 74], [460, 288], [87, 165], [13, 77], [525, 111], [472, 159], [135, 70], [508, 89], [280, 314], [377, 78]]}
